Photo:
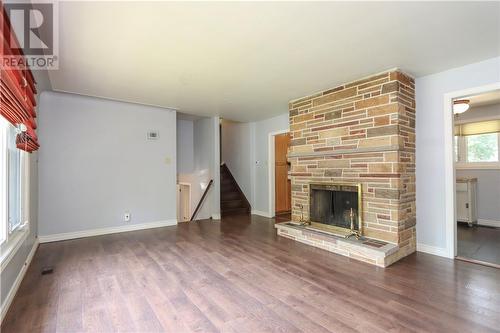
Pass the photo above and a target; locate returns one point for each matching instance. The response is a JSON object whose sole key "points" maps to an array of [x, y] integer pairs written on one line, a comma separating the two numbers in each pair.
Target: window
{"points": [[482, 148], [13, 190], [14, 180], [477, 151]]}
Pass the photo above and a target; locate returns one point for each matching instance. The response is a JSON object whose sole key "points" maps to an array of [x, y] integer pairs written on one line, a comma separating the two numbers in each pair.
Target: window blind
{"points": [[481, 127], [17, 85]]}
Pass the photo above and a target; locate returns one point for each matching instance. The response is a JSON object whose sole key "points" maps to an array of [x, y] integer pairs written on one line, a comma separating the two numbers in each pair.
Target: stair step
{"points": [[228, 188], [235, 211], [226, 196], [238, 203]]}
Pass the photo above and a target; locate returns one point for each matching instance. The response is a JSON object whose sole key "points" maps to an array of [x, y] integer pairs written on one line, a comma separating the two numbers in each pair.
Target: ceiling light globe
{"points": [[460, 107]]}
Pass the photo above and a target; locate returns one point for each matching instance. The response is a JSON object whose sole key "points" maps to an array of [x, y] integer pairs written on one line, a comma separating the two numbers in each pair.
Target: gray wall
{"points": [[488, 192], [430, 168], [96, 163]]}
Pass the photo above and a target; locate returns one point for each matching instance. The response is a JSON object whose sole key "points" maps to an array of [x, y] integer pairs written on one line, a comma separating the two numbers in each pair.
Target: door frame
{"points": [[179, 184], [271, 184], [449, 163]]}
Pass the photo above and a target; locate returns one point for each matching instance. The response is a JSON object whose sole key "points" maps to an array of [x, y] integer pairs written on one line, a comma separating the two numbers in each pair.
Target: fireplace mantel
{"points": [[344, 151]]}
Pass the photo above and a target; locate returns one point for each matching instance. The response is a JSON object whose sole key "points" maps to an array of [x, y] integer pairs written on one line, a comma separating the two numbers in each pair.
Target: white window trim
{"points": [[14, 238]]}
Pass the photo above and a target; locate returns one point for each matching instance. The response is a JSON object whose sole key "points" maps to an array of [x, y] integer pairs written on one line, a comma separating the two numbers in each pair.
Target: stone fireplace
{"points": [[352, 159]]}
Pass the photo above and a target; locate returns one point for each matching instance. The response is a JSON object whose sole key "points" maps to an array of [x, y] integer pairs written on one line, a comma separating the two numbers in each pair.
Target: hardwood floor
{"points": [[238, 276], [479, 243]]}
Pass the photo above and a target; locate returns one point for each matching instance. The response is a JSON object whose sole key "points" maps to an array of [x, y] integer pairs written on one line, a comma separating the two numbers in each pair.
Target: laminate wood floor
{"points": [[479, 243], [238, 276]]}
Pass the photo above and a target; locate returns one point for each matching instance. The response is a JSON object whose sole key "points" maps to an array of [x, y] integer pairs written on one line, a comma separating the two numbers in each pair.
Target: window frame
{"points": [[12, 239], [462, 162]]}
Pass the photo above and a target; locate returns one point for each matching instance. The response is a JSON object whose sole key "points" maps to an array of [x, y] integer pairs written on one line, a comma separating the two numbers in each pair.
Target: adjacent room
{"points": [[178, 166], [477, 169]]}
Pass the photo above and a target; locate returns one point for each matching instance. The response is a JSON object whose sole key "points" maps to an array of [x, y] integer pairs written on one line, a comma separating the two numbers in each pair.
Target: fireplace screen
{"points": [[337, 206]]}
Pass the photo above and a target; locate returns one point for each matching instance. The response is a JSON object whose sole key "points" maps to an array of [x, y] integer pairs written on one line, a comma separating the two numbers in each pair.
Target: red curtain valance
{"points": [[17, 100]]}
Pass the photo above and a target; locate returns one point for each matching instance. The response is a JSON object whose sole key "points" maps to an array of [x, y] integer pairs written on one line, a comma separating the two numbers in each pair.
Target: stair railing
{"points": [[198, 207]]}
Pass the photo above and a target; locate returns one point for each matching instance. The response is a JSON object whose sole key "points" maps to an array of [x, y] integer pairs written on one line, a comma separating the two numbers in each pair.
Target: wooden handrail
{"points": [[201, 200]]}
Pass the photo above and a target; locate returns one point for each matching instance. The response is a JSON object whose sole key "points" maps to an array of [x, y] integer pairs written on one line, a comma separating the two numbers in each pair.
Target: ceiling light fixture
{"points": [[460, 106]]}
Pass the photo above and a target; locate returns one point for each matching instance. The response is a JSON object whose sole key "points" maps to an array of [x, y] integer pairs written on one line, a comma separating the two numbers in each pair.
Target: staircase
{"points": [[233, 201]]}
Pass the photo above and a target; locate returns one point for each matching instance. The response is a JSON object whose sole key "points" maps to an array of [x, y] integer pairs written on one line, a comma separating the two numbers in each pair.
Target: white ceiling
{"points": [[245, 61]]}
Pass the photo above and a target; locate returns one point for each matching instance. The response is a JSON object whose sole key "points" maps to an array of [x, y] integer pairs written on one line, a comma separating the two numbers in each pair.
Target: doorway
{"points": [[183, 202], [475, 133], [282, 182], [477, 170]]}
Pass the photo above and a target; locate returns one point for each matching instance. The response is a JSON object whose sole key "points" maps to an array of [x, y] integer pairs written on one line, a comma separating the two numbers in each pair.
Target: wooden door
{"points": [[282, 186]]}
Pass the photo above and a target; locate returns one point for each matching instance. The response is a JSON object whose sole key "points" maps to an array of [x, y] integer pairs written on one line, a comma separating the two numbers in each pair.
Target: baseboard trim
{"points": [[105, 231], [261, 213], [13, 290], [489, 223], [215, 216], [434, 250]]}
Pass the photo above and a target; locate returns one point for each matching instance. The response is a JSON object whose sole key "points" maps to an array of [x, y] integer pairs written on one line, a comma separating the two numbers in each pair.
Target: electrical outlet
{"points": [[126, 217]]}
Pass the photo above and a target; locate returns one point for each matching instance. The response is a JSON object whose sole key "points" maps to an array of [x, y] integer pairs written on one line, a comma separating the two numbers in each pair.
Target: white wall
{"points": [[260, 191], [216, 214], [207, 164], [185, 146], [185, 160], [262, 130], [236, 142], [196, 160], [245, 149], [96, 163], [430, 168]]}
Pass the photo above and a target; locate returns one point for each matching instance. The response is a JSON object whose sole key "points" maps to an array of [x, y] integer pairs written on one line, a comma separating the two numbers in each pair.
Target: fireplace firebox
{"points": [[336, 208]]}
